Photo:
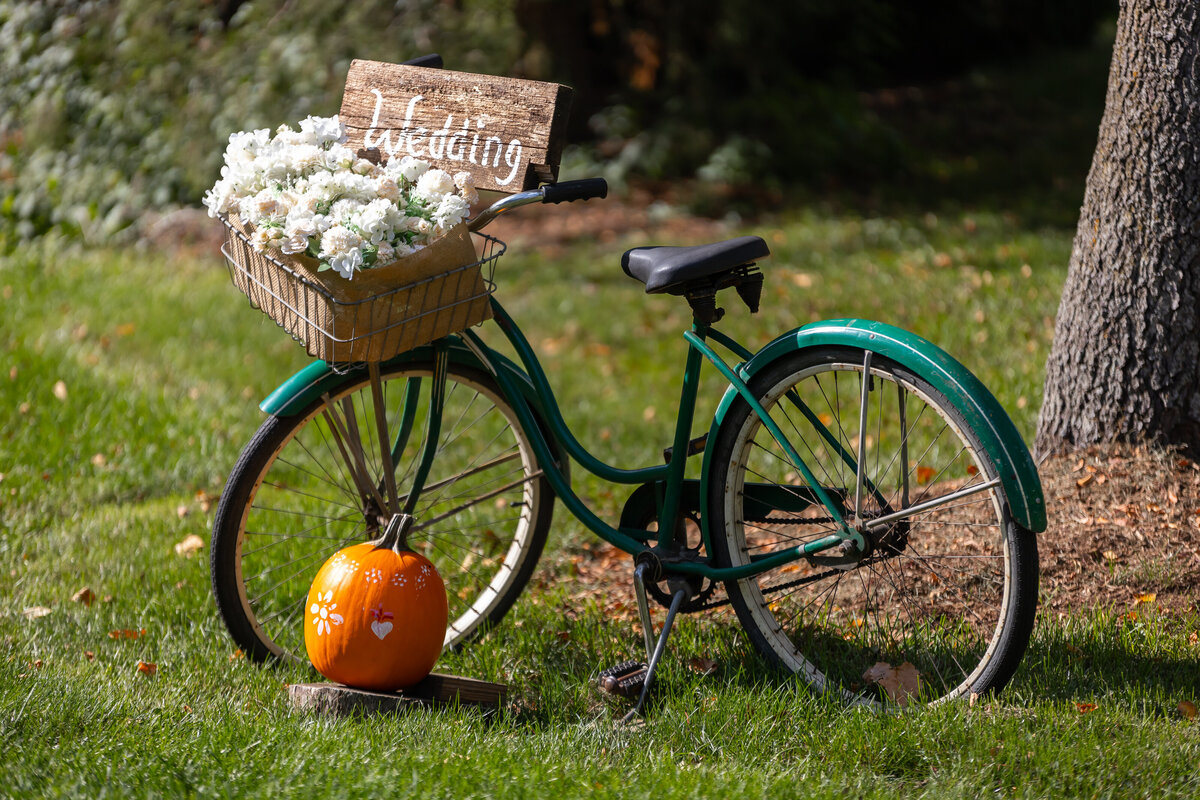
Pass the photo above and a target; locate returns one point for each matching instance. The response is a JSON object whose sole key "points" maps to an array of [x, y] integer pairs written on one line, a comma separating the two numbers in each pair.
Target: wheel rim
{"points": [[934, 590], [475, 520]]}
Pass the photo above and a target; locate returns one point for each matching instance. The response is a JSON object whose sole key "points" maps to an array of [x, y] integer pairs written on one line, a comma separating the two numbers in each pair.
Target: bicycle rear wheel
{"points": [[942, 602], [291, 502]]}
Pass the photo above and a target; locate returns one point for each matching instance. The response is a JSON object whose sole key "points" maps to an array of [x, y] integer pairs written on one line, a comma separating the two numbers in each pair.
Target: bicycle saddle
{"points": [[671, 269]]}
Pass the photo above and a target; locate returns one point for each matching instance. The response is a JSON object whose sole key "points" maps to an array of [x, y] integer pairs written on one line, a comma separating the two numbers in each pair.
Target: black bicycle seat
{"points": [[671, 269]]}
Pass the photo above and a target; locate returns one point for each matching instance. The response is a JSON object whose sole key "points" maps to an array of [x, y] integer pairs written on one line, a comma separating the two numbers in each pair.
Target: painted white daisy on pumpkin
{"points": [[323, 616]]}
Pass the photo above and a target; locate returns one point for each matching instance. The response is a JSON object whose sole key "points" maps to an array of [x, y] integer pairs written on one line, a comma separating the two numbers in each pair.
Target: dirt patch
{"points": [[1124, 529], [1124, 532]]}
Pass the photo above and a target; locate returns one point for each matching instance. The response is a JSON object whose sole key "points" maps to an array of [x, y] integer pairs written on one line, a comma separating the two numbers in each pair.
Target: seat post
{"points": [[704, 307]]}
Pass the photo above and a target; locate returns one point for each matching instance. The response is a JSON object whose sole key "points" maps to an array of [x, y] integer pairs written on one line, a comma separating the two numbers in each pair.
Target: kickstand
{"points": [[654, 650]]}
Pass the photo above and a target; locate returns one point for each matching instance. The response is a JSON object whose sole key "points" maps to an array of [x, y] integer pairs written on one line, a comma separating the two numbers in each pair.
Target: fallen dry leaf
{"points": [[925, 474], [127, 633], [33, 612], [1085, 708], [1148, 597], [1085, 480], [89, 655], [900, 683], [99, 460], [85, 596], [146, 668], [189, 546], [181, 512], [236, 654], [704, 666], [60, 391], [1187, 709]]}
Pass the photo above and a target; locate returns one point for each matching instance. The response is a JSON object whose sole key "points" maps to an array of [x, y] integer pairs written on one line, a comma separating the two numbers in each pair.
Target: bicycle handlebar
{"points": [[565, 192], [569, 191]]}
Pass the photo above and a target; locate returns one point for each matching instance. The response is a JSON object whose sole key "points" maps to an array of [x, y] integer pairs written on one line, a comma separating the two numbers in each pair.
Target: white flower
{"points": [[364, 167], [417, 225], [264, 237], [466, 187], [451, 211], [300, 222], [325, 130], [435, 183], [384, 254], [296, 243], [266, 204], [372, 221], [244, 145], [410, 168], [219, 199], [306, 157], [387, 188], [341, 248]]}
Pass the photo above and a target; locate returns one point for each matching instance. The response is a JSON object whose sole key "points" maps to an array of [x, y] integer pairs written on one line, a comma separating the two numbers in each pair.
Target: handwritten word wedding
{"points": [[448, 142]]}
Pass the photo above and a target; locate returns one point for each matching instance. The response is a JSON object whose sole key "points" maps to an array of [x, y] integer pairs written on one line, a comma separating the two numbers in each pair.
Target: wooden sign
{"points": [[507, 133]]}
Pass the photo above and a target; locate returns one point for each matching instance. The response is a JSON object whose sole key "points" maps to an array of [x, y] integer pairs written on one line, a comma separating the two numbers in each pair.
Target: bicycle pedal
{"points": [[625, 679]]}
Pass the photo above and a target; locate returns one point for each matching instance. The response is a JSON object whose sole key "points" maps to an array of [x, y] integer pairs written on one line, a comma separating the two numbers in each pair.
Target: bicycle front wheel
{"points": [[941, 603], [291, 502]]}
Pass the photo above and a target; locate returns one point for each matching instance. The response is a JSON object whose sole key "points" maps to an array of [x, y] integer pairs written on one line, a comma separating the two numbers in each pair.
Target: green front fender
{"points": [[982, 412], [314, 380]]}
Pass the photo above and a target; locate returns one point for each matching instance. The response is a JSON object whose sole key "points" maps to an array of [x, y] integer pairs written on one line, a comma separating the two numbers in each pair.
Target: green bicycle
{"points": [[862, 499]]}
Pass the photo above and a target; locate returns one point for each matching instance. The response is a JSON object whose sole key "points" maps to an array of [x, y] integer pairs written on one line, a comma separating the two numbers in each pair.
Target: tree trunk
{"points": [[1125, 364]]}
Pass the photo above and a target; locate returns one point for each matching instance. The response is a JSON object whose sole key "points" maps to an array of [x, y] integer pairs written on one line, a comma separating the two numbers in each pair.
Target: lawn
{"points": [[131, 380]]}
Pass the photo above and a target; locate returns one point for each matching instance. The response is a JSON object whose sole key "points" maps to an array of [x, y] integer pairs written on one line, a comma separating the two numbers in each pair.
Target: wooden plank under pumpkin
{"points": [[508, 133], [436, 689]]}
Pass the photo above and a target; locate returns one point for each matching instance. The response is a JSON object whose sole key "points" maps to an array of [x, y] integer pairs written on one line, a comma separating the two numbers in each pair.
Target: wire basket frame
{"points": [[391, 310]]}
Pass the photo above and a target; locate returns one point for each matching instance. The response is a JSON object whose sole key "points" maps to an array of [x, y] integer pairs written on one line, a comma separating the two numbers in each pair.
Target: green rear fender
{"points": [[999, 437], [314, 380]]}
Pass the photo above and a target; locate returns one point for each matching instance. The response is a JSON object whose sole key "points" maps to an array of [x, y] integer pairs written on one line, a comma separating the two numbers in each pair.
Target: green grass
{"points": [[163, 364]]}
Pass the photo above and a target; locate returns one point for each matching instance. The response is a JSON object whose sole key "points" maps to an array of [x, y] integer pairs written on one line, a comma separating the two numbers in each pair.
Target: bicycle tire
{"points": [[289, 504], [951, 591]]}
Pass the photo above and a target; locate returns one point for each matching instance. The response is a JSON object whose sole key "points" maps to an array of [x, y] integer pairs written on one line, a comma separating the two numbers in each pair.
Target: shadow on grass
{"points": [[1111, 653]]}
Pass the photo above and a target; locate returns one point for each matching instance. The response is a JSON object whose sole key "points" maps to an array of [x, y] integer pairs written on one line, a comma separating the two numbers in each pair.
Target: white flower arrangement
{"points": [[305, 193]]}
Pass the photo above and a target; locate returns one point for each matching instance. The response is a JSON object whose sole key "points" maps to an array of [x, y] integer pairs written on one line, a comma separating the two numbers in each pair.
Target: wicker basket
{"points": [[380, 312]]}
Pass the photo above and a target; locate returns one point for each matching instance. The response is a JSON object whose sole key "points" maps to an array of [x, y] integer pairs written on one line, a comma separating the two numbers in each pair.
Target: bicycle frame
{"points": [[671, 473], [528, 390]]}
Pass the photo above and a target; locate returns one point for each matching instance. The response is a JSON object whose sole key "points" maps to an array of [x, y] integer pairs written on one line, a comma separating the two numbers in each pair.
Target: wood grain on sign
{"points": [[507, 133]]}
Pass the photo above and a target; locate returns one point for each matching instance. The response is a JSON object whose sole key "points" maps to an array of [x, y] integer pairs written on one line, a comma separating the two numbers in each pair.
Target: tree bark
{"points": [[1125, 364]]}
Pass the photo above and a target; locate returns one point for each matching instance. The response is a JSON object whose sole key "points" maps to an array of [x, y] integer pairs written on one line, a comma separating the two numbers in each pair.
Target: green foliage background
{"points": [[109, 109]]}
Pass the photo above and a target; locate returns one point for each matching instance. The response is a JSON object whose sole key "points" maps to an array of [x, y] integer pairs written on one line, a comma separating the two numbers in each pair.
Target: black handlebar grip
{"points": [[567, 191], [433, 60]]}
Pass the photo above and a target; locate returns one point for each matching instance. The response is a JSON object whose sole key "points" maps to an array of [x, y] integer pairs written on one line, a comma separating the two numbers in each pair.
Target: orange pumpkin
{"points": [[376, 616]]}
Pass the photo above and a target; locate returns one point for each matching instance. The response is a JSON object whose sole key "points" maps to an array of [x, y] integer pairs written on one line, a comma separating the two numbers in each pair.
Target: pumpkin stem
{"points": [[395, 536]]}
